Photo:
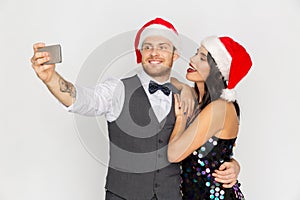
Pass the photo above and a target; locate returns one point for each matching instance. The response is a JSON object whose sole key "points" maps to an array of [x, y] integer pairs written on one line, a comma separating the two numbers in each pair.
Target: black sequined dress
{"points": [[197, 180]]}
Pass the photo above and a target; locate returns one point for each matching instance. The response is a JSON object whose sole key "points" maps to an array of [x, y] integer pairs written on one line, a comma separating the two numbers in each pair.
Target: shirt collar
{"points": [[145, 79]]}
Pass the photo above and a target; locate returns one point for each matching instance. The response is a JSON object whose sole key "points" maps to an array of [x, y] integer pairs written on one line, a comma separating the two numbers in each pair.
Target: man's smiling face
{"points": [[157, 56]]}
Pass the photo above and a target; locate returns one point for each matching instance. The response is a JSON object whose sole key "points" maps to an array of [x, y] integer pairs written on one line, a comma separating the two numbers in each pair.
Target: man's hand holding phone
{"points": [[44, 59], [43, 62]]}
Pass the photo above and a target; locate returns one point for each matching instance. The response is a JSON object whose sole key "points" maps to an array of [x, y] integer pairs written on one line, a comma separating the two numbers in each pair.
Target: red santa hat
{"points": [[232, 60], [155, 27]]}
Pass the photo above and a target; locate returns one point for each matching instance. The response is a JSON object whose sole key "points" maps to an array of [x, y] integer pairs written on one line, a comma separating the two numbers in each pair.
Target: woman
{"points": [[206, 140]]}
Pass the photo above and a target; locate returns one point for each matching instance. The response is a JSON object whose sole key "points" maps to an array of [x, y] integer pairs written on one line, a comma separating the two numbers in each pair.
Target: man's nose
{"points": [[154, 51]]}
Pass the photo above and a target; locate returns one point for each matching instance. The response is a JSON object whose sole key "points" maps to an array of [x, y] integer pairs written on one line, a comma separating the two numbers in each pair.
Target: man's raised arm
{"points": [[63, 90]]}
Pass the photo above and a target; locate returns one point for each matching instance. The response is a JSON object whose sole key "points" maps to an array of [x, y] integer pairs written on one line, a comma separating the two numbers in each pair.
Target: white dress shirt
{"points": [[107, 99]]}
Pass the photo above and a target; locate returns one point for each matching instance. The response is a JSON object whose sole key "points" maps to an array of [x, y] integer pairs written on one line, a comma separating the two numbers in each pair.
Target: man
{"points": [[140, 115]]}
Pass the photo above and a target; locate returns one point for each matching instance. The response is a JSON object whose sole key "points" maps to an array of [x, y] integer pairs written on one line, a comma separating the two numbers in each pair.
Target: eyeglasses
{"points": [[161, 47]]}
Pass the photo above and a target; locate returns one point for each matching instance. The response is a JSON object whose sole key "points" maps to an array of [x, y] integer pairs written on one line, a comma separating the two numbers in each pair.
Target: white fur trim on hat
{"points": [[160, 30], [228, 94], [220, 54]]}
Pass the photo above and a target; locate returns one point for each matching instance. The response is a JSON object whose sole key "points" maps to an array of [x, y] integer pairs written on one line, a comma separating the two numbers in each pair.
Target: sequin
{"points": [[201, 163], [197, 181]]}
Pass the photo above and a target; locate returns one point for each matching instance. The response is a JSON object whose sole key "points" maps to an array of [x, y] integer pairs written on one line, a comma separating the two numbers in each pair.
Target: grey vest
{"points": [[138, 166]]}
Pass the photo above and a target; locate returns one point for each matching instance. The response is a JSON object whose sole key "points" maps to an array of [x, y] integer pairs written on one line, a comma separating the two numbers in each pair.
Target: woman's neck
{"points": [[201, 89]]}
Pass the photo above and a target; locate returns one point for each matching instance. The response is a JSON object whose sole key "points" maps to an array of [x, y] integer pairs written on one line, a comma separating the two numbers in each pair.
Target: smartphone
{"points": [[54, 53]]}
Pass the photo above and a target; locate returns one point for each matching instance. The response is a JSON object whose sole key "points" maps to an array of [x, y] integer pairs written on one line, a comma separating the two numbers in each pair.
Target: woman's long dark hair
{"points": [[213, 86]]}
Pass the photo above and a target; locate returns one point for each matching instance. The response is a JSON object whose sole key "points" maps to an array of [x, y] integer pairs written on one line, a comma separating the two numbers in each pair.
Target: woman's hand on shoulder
{"points": [[179, 111], [187, 98]]}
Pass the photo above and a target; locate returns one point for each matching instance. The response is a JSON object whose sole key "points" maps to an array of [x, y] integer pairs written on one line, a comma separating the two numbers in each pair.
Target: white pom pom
{"points": [[228, 94]]}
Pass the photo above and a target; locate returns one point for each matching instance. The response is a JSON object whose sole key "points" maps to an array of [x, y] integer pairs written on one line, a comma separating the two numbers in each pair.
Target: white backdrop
{"points": [[43, 157]]}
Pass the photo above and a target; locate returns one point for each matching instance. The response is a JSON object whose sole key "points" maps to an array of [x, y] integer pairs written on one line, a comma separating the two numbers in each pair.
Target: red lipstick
{"points": [[191, 69]]}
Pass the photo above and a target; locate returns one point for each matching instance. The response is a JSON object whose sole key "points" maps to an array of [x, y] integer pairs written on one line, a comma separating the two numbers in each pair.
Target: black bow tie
{"points": [[153, 87]]}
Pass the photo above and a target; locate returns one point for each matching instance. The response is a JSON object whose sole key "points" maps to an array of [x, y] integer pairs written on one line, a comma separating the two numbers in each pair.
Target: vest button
{"points": [[156, 185], [160, 141]]}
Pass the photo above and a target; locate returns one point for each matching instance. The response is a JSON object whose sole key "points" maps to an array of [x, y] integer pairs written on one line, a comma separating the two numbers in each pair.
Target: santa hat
{"points": [[232, 60], [155, 27]]}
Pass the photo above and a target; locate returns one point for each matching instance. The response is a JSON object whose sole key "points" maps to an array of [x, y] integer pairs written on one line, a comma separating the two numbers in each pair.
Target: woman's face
{"points": [[199, 67]]}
